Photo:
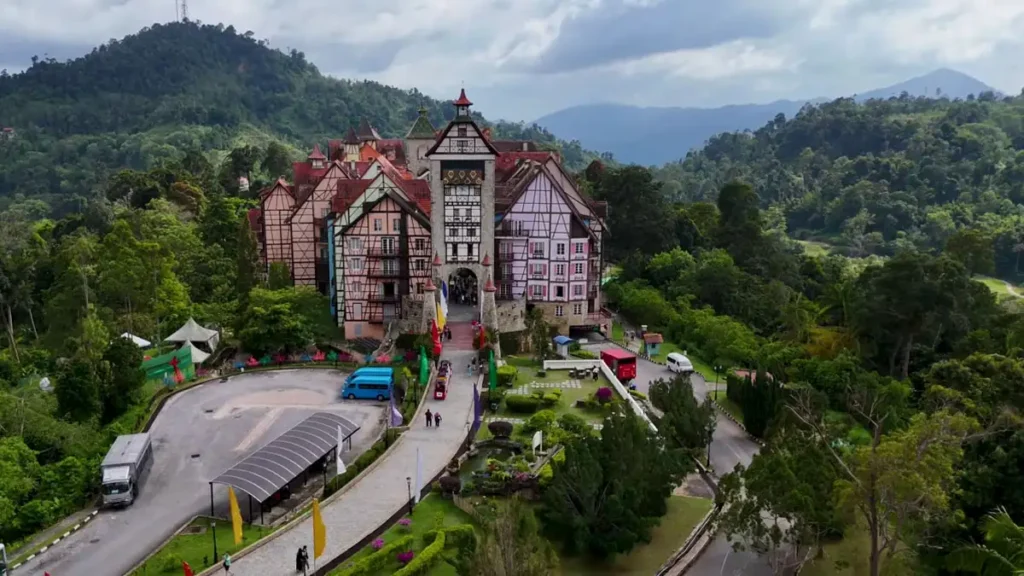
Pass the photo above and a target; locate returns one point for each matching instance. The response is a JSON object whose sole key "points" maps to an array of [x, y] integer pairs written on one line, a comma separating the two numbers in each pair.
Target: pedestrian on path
{"points": [[437, 419], [430, 418], [227, 564]]}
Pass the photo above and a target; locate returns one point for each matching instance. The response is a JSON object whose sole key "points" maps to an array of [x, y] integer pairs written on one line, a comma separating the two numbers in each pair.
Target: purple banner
{"points": [[478, 409], [396, 416]]}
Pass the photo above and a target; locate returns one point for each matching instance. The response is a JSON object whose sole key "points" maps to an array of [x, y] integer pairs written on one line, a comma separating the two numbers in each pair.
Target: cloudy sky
{"points": [[520, 59]]}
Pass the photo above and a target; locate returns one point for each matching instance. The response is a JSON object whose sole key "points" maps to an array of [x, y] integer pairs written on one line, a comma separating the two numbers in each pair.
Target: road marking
{"points": [[54, 543], [258, 431], [66, 534], [45, 548], [77, 526]]}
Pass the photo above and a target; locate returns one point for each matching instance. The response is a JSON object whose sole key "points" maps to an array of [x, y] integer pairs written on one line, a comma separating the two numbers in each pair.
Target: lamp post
{"points": [[213, 529], [718, 369], [408, 485]]}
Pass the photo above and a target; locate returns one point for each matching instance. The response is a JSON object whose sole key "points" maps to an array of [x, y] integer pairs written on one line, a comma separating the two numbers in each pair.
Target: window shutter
{"points": [[544, 269], [586, 247], [544, 291]]}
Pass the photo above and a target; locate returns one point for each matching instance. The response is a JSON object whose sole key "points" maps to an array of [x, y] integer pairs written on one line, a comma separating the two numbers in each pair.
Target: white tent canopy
{"points": [[196, 334], [198, 356], [140, 342]]}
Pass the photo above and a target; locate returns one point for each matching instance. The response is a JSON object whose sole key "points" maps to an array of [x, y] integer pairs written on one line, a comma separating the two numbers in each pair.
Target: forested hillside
{"points": [[150, 97], [878, 176]]}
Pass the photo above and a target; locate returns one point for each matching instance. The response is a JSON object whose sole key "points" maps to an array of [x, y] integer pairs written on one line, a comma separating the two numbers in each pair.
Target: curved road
{"points": [[730, 446], [222, 422]]}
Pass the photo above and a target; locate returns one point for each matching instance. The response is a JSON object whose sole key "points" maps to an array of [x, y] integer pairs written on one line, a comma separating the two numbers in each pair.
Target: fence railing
{"points": [[610, 375]]}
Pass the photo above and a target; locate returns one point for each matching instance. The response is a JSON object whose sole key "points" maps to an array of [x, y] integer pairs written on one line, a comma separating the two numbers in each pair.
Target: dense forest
{"points": [[878, 177], [151, 97]]}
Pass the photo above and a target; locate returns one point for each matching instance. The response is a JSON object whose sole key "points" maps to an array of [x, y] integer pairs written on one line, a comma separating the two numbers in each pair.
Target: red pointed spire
{"points": [[316, 154], [429, 286], [463, 101], [489, 287], [437, 259], [486, 261]]}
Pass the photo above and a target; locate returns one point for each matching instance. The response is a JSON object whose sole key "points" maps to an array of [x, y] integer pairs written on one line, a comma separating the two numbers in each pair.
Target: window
{"points": [[357, 287], [470, 232], [537, 269], [560, 249], [355, 243], [536, 291], [462, 131], [537, 249], [559, 269], [323, 253], [421, 264], [472, 250], [357, 311], [579, 248], [559, 291], [461, 145], [505, 290], [577, 309], [324, 212], [387, 245], [355, 264], [577, 290], [396, 224], [559, 311], [453, 232], [377, 225], [506, 270], [578, 268], [419, 287], [421, 244], [390, 267]]}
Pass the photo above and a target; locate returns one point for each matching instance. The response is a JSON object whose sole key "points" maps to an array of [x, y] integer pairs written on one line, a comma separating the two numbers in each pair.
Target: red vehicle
{"points": [[622, 363], [441, 388]]}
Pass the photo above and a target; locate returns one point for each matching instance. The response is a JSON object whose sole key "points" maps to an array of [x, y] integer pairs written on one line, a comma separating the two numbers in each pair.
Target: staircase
{"points": [[462, 336]]}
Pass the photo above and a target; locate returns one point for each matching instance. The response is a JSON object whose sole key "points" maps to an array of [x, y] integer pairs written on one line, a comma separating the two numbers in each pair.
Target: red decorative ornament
{"points": [[487, 260], [429, 286], [489, 287], [178, 377], [437, 259]]}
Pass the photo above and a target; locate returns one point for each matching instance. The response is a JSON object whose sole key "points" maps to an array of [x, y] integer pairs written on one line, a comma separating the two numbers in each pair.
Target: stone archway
{"points": [[463, 295]]}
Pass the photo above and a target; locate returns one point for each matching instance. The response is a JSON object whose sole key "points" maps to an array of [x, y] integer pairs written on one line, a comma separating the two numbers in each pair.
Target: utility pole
{"points": [[184, 10]]}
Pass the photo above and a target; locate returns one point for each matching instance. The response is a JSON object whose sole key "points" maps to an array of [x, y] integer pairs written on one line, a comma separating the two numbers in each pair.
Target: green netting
{"points": [[161, 368]]}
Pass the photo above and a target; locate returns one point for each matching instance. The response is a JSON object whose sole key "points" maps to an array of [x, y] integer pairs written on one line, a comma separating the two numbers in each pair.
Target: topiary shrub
{"points": [[542, 420], [378, 560], [638, 395], [501, 429], [522, 404], [604, 394], [426, 560], [584, 354], [507, 375], [450, 484], [572, 423], [551, 398]]}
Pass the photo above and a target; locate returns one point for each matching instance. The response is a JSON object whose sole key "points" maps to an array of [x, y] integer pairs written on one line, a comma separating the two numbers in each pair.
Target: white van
{"points": [[679, 364]]}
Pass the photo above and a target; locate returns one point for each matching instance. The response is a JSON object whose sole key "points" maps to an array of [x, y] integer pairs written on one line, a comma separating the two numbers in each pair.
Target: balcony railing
{"points": [[385, 273], [378, 252], [384, 298]]}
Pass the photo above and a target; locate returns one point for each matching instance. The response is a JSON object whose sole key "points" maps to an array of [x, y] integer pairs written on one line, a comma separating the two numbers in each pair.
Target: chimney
{"points": [[526, 146]]}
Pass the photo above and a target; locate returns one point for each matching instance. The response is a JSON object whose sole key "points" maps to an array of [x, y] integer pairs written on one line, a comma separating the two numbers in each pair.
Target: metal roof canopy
{"points": [[273, 466]]}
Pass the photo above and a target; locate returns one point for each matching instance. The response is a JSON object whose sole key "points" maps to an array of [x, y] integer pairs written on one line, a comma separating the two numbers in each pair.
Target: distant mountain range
{"points": [[654, 136]]}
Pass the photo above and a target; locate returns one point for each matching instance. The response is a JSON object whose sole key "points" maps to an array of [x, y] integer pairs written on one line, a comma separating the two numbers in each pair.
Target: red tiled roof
{"points": [[348, 192], [506, 163], [463, 101], [316, 154], [254, 215], [653, 338], [280, 182], [515, 146], [418, 192]]}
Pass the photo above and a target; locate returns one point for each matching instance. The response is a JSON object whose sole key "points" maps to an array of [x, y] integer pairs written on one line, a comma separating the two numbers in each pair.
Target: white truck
{"points": [[124, 467]]}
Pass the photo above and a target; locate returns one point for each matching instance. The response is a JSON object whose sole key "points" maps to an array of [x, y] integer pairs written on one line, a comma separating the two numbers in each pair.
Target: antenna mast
{"points": [[184, 10]]}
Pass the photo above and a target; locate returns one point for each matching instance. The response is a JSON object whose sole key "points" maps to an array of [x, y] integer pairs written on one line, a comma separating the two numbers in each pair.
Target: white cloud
{"points": [[819, 47]]}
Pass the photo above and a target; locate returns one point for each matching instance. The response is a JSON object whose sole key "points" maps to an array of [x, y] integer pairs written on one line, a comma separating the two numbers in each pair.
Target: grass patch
{"points": [[424, 518], [567, 405], [684, 513], [528, 372], [730, 407], [815, 249], [195, 548], [999, 287], [846, 557], [618, 334]]}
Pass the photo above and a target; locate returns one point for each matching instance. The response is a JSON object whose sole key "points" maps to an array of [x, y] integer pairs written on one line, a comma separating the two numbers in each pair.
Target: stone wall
{"points": [[511, 315], [563, 322], [412, 316]]}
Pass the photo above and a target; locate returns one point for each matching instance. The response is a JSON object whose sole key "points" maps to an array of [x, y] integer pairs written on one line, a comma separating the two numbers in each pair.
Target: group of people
{"points": [[463, 289], [433, 419], [302, 560]]}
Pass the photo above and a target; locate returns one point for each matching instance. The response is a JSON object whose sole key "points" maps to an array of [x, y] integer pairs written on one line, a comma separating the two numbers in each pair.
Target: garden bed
{"points": [[432, 513], [194, 545], [530, 382]]}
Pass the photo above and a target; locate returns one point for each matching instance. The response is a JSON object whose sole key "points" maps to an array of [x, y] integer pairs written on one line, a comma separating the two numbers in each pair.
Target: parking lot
{"points": [[199, 434]]}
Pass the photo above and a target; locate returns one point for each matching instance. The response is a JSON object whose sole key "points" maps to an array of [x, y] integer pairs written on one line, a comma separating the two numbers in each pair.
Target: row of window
{"points": [[389, 266], [577, 309], [538, 249], [466, 232], [541, 291], [542, 269], [387, 243]]}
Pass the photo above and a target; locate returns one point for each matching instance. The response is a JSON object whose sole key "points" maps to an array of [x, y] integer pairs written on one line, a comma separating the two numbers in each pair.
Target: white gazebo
{"points": [[193, 333], [140, 342], [198, 356]]}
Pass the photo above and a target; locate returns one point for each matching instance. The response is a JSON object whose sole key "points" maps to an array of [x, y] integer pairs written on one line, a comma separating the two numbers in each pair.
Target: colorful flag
{"points": [[440, 317], [341, 463], [424, 367], [435, 334], [477, 409], [444, 298], [319, 531], [236, 516], [188, 569], [492, 373], [396, 415], [419, 475]]}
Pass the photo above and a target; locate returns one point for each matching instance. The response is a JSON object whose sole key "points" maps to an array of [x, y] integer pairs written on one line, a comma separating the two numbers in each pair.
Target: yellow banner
{"points": [[236, 516], [440, 317], [319, 531]]}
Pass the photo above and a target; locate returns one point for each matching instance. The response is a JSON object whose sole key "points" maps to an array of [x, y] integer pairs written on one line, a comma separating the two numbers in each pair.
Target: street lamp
{"points": [[213, 529], [718, 369], [408, 485]]}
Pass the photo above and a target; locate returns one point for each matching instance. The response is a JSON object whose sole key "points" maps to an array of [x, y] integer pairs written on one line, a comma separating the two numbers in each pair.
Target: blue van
{"points": [[368, 387], [372, 371]]}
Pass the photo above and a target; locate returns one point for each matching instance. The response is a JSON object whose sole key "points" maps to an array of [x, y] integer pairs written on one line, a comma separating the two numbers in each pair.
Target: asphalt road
{"points": [[222, 422], [730, 446]]}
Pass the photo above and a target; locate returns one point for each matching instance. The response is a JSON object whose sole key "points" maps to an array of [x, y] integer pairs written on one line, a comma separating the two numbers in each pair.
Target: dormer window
{"points": [[462, 131]]}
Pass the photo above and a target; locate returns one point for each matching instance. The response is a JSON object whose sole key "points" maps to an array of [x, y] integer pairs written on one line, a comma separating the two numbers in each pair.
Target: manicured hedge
{"points": [[379, 559], [507, 375], [522, 404], [426, 560], [638, 395], [584, 354], [461, 537]]}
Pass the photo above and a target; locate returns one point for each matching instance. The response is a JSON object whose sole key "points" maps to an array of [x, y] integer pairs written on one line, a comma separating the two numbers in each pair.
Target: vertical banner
{"points": [[337, 452], [236, 516], [319, 531], [444, 298], [419, 476], [477, 409], [538, 441]]}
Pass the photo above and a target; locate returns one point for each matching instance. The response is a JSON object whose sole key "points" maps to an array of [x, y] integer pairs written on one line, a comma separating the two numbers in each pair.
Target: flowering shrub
{"points": [[604, 394], [405, 557], [405, 523], [378, 543]]}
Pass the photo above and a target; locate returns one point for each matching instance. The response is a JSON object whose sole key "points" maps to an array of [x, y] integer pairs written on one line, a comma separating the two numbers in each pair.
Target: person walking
{"points": [[227, 563], [300, 564], [305, 559], [430, 418], [437, 419]]}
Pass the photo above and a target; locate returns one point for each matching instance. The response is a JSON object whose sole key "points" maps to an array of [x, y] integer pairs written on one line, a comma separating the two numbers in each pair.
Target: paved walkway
{"points": [[374, 498]]}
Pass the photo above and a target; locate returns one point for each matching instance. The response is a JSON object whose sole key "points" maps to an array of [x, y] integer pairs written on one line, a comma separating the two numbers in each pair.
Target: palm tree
{"points": [[1001, 555]]}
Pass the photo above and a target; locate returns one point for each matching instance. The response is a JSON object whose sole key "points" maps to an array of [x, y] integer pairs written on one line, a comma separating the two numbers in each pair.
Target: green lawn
{"points": [[424, 518], [684, 513], [998, 287], [812, 248], [618, 334], [528, 373], [730, 406], [195, 548]]}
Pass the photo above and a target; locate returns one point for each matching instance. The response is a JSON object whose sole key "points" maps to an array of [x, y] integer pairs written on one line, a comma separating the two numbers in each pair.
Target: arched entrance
{"points": [[463, 295]]}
